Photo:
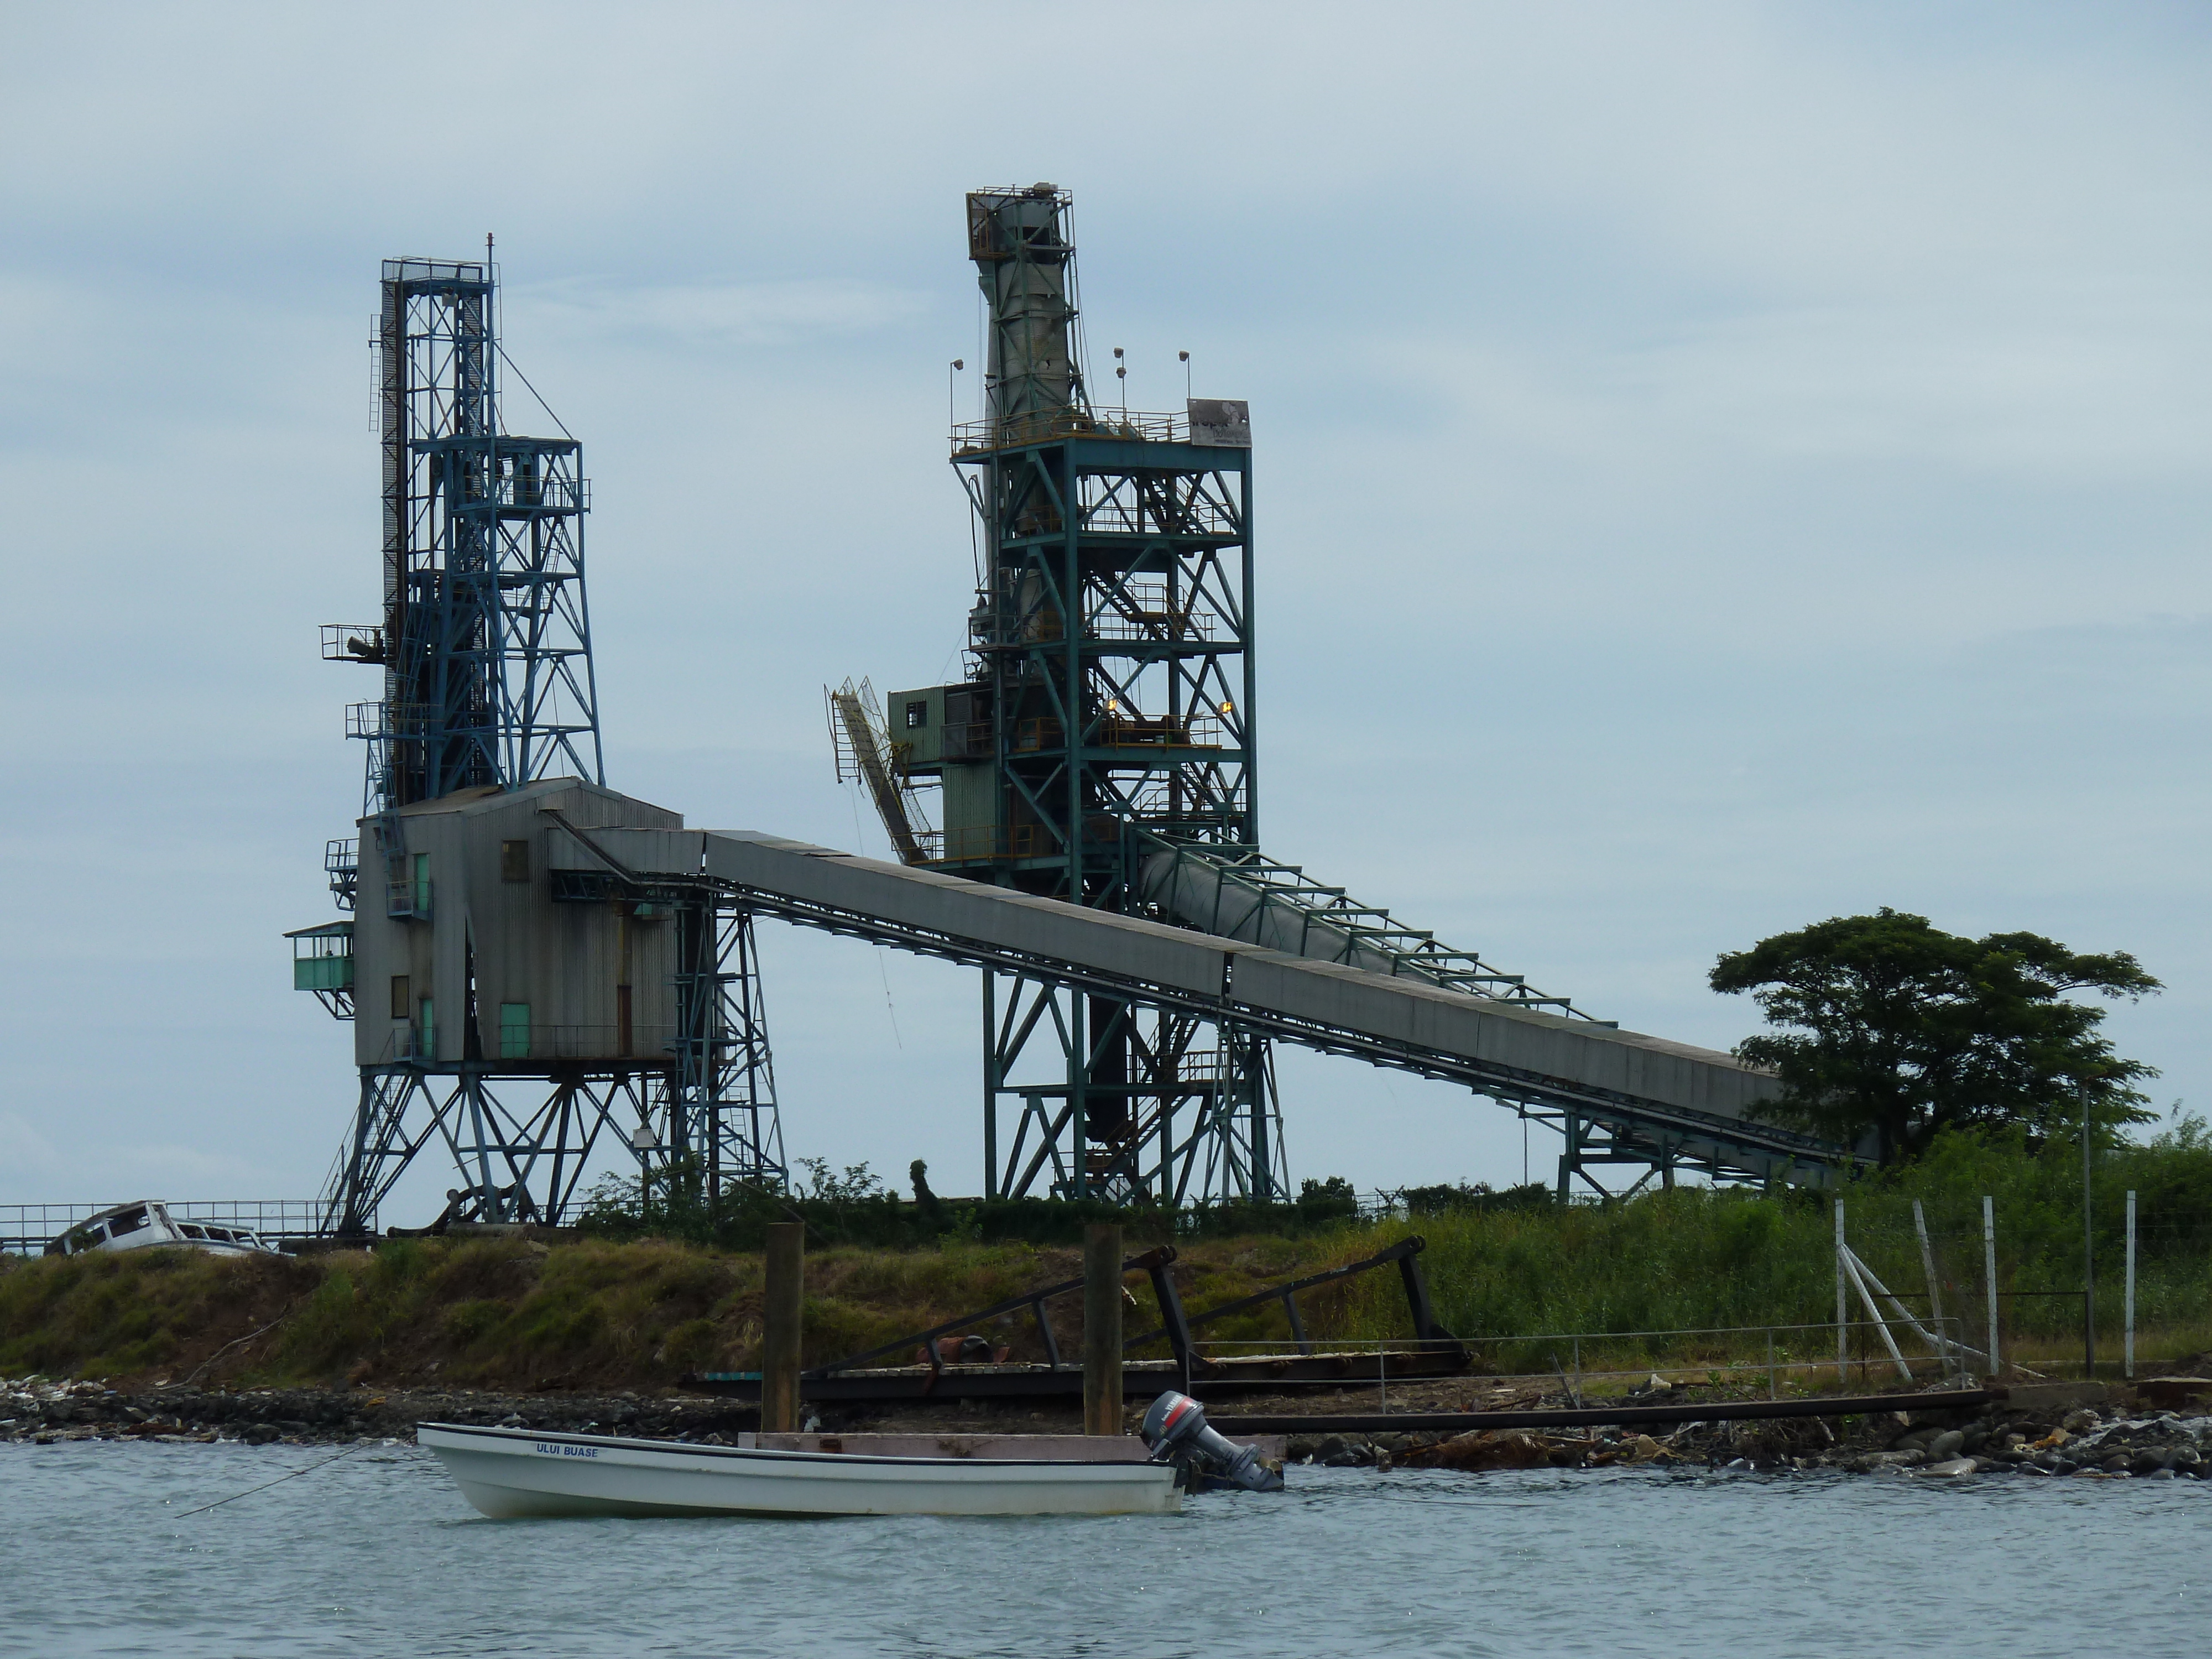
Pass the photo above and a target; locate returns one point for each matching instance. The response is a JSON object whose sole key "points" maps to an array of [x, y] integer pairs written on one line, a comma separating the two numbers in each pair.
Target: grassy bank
{"points": [[1698, 1257], [607, 1313], [508, 1314]]}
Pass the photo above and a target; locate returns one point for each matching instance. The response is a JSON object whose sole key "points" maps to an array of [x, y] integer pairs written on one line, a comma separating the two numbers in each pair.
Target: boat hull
{"points": [[512, 1473]]}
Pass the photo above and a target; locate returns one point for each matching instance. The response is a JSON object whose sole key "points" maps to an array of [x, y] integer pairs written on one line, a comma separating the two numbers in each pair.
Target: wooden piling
{"points": [[1101, 1328], [786, 1274]]}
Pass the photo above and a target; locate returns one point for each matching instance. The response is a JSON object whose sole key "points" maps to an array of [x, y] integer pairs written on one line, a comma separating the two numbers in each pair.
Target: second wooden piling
{"points": [[1101, 1328], [787, 1276]]}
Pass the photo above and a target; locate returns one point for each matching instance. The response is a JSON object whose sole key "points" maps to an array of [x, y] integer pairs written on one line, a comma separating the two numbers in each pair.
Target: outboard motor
{"points": [[1175, 1428]]}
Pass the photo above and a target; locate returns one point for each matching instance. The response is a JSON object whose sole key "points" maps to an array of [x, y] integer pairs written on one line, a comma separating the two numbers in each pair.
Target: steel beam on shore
{"points": [[1711, 1411]]}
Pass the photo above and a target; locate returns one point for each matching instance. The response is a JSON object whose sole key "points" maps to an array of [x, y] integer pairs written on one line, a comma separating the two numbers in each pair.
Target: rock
{"points": [[2079, 1420], [1640, 1448], [1299, 1448], [2175, 1393], [1948, 1469], [1946, 1446], [260, 1434], [1868, 1462], [1331, 1446], [1386, 1443], [1507, 1449], [2160, 1474]]}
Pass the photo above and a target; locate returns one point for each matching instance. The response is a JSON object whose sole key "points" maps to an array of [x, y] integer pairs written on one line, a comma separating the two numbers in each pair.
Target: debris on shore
{"points": [[2041, 1433], [2037, 1432]]}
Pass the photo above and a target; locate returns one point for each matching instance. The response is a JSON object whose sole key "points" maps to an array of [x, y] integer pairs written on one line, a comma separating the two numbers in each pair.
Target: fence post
{"points": [[2088, 1256], [1773, 1391], [1990, 1274], [2128, 1342], [1842, 1307], [1935, 1290]]}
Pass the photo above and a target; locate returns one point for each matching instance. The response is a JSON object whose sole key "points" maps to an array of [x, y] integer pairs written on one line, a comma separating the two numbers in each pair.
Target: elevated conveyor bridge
{"points": [[1327, 977]]}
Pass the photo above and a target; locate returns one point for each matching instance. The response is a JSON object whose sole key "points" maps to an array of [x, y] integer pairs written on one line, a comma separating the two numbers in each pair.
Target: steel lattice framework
{"points": [[1111, 639], [485, 648]]}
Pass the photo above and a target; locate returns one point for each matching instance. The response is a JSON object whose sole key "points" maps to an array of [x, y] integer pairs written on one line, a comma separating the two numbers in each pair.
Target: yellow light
{"points": [[1227, 707]]}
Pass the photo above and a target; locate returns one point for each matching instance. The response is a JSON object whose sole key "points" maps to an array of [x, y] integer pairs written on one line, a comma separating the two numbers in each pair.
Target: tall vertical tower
{"points": [[478, 958], [1107, 713]]}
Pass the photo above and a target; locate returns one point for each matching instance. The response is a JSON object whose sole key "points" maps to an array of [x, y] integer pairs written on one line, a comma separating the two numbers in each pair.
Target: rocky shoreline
{"points": [[2039, 1433], [1947, 1443]]}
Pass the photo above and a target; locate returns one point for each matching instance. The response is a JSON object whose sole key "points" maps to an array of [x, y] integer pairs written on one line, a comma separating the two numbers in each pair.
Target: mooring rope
{"points": [[278, 1481]]}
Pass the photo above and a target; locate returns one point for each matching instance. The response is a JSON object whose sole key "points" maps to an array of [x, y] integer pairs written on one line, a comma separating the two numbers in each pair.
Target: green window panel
{"points": [[514, 1030], [322, 974]]}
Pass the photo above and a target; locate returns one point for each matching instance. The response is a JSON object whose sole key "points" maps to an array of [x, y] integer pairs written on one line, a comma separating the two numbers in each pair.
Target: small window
{"points": [[191, 1231], [129, 1222], [403, 999], [917, 714], [427, 1024], [422, 883], [515, 861], [514, 1030]]}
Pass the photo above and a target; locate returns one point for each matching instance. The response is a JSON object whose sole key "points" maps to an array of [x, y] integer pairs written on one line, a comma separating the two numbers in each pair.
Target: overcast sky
{"points": [[1718, 467]]}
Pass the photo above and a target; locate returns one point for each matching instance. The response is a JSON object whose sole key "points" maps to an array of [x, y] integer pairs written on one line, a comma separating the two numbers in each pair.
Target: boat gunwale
{"points": [[777, 1455]]}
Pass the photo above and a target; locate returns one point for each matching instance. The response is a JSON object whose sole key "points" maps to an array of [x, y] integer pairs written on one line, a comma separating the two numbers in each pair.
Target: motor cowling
{"points": [[1175, 1430]]}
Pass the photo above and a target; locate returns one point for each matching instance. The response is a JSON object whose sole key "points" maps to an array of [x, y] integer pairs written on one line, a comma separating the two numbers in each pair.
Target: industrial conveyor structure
{"points": [[1280, 958]]}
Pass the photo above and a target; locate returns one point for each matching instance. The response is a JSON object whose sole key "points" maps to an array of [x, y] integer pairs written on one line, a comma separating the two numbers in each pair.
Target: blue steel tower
{"points": [[484, 645]]}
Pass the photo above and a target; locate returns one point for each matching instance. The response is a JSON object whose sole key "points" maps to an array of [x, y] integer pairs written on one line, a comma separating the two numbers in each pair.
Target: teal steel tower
{"points": [[512, 1011], [1107, 713]]}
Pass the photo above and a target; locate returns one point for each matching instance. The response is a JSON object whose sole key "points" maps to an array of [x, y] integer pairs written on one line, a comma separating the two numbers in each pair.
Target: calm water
{"points": [[378, 1555]]}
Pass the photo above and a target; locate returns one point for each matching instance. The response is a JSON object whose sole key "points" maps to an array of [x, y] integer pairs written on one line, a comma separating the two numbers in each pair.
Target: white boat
{"points": [[508, 1473], [148, 1224]]}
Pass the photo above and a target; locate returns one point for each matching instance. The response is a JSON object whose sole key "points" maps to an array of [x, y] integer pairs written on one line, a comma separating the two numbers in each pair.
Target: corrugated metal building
{"points": [[476, 957]]}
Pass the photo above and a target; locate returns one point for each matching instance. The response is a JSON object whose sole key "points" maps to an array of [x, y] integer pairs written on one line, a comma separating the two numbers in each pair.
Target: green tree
{"points": [[1892, 1027]]}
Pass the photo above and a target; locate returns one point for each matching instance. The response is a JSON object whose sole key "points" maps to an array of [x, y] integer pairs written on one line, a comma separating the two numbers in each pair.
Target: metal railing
{"points": [[1123, 732], [353, 642], [28, 1229], [973, 843], [383, 719], [550, 493], [1560, 1355], [1041, 426]]}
